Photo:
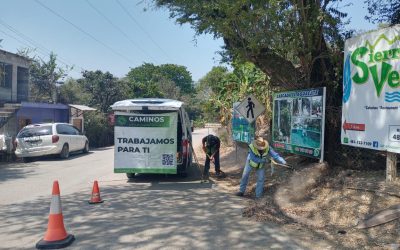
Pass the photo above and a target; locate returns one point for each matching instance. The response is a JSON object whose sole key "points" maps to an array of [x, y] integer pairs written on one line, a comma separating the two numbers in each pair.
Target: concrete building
{"points": [[14, 89], [14, 78]]}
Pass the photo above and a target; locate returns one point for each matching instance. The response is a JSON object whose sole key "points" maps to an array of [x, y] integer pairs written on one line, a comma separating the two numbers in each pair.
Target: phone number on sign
{"points": [[365, 143]]}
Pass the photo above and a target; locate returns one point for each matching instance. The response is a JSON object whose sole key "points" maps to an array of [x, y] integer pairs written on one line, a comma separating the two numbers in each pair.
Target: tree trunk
{"points": [[391, 166]]}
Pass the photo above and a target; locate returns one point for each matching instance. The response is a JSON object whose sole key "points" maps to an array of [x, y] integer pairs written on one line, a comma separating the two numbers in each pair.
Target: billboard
{"points": [[242, 130], [145, 143], [298, 123], [371, 96]]}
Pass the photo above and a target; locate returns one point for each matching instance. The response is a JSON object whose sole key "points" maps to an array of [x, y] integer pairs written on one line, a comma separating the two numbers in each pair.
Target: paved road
{"points": [[154, 211]]}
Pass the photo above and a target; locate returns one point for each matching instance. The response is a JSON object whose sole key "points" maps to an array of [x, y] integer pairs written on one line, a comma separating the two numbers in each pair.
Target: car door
{"points": [[73, 135], [65, 136], [80, 139]]}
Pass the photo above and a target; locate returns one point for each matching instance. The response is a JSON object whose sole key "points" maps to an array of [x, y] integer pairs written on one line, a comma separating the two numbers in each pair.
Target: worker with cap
{"points": [[259, 150], [211, 146]]}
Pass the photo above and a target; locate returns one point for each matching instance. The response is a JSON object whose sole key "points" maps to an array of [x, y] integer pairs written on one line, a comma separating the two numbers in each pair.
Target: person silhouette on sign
{"points": [[250, 107]]}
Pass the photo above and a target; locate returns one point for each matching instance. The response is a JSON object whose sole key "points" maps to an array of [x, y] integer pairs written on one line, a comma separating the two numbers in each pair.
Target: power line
{"points": [[119, 29], [32, 47], [148, 35], [84, 32], [35, 44]]}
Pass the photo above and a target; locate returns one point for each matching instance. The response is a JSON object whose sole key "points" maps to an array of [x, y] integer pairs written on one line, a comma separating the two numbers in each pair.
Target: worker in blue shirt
{"points": [[259, 150]]}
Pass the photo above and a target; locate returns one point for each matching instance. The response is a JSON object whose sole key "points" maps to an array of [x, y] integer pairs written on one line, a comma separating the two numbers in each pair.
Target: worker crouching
{"points": [[259, 150]]}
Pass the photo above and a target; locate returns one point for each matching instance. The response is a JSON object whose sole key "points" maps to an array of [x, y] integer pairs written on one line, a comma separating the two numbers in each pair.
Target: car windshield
{"points": [[35, 131]]}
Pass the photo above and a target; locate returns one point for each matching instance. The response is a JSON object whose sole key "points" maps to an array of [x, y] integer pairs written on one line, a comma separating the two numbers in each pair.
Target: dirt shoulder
{"points": [[314, 198]]}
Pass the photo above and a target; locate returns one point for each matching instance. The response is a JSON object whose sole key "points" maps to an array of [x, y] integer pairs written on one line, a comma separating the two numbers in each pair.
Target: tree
{"points": [[221, 88], [384, 11], [177, 74], [296, 43], [103, 89], [166, 80], [44, 77], [71, 92], [277, 36]]}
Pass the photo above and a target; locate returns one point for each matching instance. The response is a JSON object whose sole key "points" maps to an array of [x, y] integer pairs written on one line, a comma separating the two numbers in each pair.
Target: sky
{"points": [[116, 35]]}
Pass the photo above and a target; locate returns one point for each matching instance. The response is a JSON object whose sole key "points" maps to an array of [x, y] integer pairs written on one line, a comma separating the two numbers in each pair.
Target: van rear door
{"points": [[146, 142]]}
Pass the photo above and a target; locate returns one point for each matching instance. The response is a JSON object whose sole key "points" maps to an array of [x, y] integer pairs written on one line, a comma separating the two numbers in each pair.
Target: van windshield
{"points": [[35, 131]]}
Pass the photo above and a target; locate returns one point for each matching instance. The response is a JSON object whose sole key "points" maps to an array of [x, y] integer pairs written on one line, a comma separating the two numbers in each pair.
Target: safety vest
{"points": [[255, 151]]}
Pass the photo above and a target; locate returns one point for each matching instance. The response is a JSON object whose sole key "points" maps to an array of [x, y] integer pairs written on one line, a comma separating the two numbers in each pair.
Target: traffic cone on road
{"points": [[56, 236], [95, 194]]}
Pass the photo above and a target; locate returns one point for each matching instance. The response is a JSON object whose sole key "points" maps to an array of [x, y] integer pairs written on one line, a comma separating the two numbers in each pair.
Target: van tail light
{"points": [[185, 147], [15, 143], [55, 138]]}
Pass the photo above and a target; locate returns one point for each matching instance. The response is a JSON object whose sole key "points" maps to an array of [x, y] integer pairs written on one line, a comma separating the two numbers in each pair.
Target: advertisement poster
{"points": [[145, 143], [299, 122], [371, 94], [242, 130]]}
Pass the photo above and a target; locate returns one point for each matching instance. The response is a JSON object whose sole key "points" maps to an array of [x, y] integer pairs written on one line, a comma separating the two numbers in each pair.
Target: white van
{"points": [[152, 135]]}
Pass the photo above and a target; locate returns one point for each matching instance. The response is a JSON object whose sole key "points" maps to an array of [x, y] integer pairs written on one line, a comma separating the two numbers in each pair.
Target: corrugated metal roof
{"points": [[151, 103], [81, 107]]}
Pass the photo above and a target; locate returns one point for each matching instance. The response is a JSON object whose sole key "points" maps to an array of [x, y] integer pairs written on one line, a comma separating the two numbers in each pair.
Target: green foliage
{"points": [[166, 80], [384, 11], [277, 36], [219, 89], [44, 76], [102, 89], [178, 75], [72, 93], [98, 131]]}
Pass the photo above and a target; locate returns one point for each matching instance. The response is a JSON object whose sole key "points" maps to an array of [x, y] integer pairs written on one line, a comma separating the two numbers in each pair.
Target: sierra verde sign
{"points": [[371, 90]]}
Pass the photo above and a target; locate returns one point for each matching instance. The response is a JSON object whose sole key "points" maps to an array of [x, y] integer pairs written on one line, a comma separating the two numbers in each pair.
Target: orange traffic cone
{"points": [[56, 236], [95, 194]]}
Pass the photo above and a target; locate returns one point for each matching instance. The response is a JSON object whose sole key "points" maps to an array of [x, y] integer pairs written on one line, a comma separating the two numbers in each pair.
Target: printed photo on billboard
{"points": [[298, 122]]}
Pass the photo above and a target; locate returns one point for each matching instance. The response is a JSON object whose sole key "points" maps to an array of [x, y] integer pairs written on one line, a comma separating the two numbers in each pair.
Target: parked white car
{"points": [[49, 139]]}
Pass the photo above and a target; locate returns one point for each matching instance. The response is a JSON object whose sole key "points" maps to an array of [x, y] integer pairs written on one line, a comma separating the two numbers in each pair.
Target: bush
{"points": [[97, 129]]}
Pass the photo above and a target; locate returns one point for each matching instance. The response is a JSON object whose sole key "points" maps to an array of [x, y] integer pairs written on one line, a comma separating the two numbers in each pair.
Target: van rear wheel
{"points": [[27, 159], [183, 174], [130, 175]]}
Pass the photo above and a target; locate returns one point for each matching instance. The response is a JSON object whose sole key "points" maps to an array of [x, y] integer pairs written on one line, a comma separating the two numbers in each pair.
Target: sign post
{"points": [[371, 96]]}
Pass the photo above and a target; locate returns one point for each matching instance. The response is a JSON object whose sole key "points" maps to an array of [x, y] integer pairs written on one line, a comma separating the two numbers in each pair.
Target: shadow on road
{"points": [[140, 217], [173, 182], [153, 212], [16, 170]]}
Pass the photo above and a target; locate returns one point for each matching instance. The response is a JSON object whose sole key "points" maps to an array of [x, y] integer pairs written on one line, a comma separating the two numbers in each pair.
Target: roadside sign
{"points": [[250, 108], [242, 130], [145, 143], [371, 96], [298, 124]]}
